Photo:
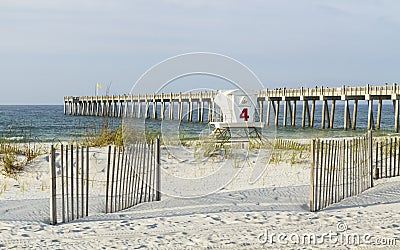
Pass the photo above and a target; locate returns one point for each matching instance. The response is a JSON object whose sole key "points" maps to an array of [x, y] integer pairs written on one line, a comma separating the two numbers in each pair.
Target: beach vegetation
{"points": [[15, 156], [3, 187], [103, 137], [10, 164], [118, 135]]}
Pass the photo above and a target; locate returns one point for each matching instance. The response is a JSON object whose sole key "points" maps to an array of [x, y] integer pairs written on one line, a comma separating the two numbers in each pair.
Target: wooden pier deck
{"points": [[162, 106]]}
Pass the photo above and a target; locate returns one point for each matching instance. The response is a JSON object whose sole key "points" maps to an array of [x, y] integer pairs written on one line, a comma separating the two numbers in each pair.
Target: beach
{"points": [[176, 124], [239, 214]]}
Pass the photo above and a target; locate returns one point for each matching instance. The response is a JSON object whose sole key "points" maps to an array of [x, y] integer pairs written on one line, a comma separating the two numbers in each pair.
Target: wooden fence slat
{"points": [[317, 173], [87, 181], [396, 157], [381, 170], [370, 160], [352, 172], [120, 179], [363, 164], [77, 181], [394, 148], [53, 193], [132, 175], [62, 183], [340, 172], [82, 187], [351, 168], [158, 164], [390, 159], [344, 169], [112, 205], [150, 177], [66, 180], [153, 170], [327, 172], [137, 174], [386, 159], [116, 196], [125, 184], [357, 165], [143, 172], [128, 176], [321, 176], [108, 179], [147, 170], [333, 172], [72, 183], [376, 161], [312, 170]]}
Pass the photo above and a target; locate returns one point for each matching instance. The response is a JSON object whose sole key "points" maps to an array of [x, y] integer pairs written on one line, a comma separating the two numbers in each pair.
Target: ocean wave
{"points": [[14, 138]]}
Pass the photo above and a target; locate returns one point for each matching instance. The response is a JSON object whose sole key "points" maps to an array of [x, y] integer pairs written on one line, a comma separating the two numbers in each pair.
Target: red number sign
{"points": [[244, 115]]}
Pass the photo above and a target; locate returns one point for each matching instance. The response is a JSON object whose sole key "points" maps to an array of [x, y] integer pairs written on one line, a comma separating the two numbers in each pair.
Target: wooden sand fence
{"points": [[133, 175], [340, 168], [290, 144], [387, 157], [73, 183]]}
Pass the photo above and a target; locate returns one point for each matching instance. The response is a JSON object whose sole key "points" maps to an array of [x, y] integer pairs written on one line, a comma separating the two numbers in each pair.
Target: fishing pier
{"points": [[201, 107]]}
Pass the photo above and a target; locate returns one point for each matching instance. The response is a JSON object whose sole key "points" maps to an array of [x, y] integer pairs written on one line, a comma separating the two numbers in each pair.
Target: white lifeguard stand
{"points": [[239, 112]]}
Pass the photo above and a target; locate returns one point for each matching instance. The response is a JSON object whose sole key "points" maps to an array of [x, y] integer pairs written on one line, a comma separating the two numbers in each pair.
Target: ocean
{"points": [[48, 123]]}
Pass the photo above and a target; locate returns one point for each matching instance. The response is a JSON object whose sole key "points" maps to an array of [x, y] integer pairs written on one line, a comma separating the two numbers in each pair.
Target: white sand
{"points": [[236, 216]]}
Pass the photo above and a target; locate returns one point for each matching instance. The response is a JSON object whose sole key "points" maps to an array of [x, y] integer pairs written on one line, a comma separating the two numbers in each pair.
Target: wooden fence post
{"points": [[87, 181], [66, 180], [312, 209], [158, 179], [375, 169], [77, 181], [72, 182], [370, 160], [108, 178], [62, 184], [82, 182], [53, 186]]}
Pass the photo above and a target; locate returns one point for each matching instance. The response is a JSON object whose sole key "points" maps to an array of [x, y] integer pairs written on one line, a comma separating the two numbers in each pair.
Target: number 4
{"points": [[244, 115]]}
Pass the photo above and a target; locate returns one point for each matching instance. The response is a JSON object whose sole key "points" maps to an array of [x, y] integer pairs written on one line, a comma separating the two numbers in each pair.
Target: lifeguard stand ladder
{"points": [[238, 108]]}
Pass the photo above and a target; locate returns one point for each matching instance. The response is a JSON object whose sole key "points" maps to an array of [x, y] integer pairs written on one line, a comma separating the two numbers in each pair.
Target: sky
{"points": [[55, 48]]}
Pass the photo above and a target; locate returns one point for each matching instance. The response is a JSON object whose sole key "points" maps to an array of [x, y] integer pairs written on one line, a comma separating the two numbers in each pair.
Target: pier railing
{"points": [[277, 92]]}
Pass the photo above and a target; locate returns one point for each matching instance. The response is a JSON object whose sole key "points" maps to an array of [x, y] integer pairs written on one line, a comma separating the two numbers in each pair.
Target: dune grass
{"points": [[15, 156]]}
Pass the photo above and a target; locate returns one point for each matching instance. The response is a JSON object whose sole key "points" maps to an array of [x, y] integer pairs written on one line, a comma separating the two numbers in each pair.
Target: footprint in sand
{"points": [[152, 226], [33, 228]]}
